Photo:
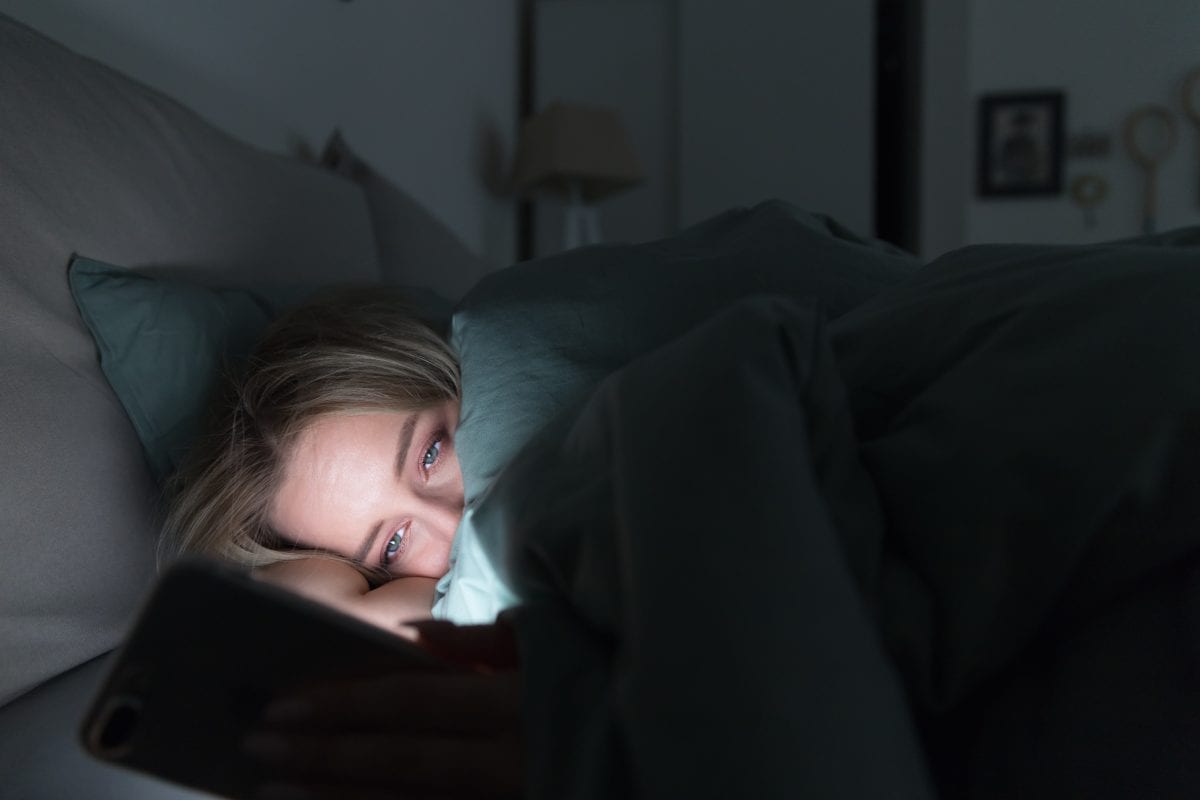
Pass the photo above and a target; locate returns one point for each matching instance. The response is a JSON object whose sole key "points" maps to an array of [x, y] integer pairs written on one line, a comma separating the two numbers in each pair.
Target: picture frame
{"points": [[1021, 144]]}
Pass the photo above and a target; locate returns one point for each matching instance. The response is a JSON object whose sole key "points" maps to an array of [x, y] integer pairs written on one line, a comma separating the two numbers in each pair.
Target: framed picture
{"points": [[1021, 144]]}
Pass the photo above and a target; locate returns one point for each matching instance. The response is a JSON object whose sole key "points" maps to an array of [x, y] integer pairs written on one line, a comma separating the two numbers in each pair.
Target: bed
{"points": [[95, 165], [776, 499], [780, 509]]}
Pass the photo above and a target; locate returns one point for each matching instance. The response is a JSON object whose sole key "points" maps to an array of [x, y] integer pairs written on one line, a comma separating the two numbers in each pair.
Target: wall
{"points": [[423, 89], [1109, 57], [619, 55], [728, 104], [947, 146], [776, 100]]}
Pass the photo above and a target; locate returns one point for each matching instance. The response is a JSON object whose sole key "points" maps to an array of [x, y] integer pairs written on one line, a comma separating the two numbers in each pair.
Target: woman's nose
{"points": [[441, 514]]}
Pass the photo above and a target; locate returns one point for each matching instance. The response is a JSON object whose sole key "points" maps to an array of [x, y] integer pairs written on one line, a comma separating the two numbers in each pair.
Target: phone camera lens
{"points": [[118, 725]]}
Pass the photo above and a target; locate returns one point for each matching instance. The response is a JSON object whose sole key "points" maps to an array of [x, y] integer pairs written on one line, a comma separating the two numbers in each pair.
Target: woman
{"points": [[335, 451], [332, 471]]}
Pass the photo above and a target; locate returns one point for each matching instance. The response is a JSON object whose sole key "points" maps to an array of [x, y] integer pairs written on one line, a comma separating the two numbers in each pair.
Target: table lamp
{"points": [[580, 153]]}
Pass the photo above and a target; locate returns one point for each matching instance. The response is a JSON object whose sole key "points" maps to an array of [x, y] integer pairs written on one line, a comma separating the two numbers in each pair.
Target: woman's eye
{"points": [[431, 455], [393, 546]]}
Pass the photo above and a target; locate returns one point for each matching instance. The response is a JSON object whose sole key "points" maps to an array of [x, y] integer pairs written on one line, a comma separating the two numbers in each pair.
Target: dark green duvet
{"points": [[940, 541]]}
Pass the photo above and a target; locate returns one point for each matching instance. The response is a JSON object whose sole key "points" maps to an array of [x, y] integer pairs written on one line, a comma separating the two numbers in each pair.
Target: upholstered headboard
{"points": [[96, 164]]}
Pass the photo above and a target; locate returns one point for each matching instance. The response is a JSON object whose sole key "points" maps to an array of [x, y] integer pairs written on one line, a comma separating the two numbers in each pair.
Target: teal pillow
{"points": [[535, 339], [163, 345]]}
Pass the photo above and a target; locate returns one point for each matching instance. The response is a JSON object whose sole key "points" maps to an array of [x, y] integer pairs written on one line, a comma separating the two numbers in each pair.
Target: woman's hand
{"points": [[338, 584], [408, 735]]}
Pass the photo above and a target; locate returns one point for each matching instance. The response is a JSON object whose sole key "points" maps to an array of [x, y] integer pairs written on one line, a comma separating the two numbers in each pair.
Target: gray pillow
{"points": [[164, 344], [415, 247]]}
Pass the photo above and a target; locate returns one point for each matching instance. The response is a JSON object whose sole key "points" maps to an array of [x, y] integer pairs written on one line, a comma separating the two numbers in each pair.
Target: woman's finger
{"points": [[491, 646], [487, 767], [461, 703], [293, 791], [333, 791]]}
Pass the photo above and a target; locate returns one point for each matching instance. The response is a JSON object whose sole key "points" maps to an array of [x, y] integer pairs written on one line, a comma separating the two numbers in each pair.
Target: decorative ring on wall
{"points": [[1191, 98], [1150, 136], [1191, 95]]}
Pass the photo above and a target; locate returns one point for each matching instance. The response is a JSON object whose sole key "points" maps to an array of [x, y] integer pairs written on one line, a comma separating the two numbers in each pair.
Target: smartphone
{"points": [[211, 647]]}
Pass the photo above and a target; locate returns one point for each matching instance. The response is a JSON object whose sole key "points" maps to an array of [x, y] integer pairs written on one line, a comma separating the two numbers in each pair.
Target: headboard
{"points": [[97, 164]]}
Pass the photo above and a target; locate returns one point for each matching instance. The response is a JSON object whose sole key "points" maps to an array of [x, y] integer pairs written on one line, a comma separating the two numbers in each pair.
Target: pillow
{"points": [[534, 339], [164, 343], [415, 247]]}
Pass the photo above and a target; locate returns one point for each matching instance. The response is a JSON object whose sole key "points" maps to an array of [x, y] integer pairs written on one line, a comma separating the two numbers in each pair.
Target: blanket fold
{"points": [[949, 544], [1030, 418], [688, 551]]}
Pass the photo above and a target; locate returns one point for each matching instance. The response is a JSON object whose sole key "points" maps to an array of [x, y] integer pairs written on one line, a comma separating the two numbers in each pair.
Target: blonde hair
{"points": [[347, 351]]}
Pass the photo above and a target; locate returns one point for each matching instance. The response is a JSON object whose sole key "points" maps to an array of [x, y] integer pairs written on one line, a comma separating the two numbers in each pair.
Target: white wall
{"points": [[424, 89], [1108, 57], [776, 99], [947, 143]]}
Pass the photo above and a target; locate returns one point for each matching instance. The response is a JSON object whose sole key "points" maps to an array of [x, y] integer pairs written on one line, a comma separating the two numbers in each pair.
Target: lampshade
{"points": [[567, 145]]}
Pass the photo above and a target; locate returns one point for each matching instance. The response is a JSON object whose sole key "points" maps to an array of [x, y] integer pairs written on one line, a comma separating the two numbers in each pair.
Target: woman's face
{"points": [[381, 488]]}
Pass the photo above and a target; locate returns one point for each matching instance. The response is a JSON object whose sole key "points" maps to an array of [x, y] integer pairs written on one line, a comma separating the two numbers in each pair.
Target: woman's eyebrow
{"points": [[406, 437], [402, 447]]}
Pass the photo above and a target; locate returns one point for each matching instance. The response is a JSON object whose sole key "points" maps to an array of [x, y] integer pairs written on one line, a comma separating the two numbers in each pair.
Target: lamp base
{"points": [[581, 225]]}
